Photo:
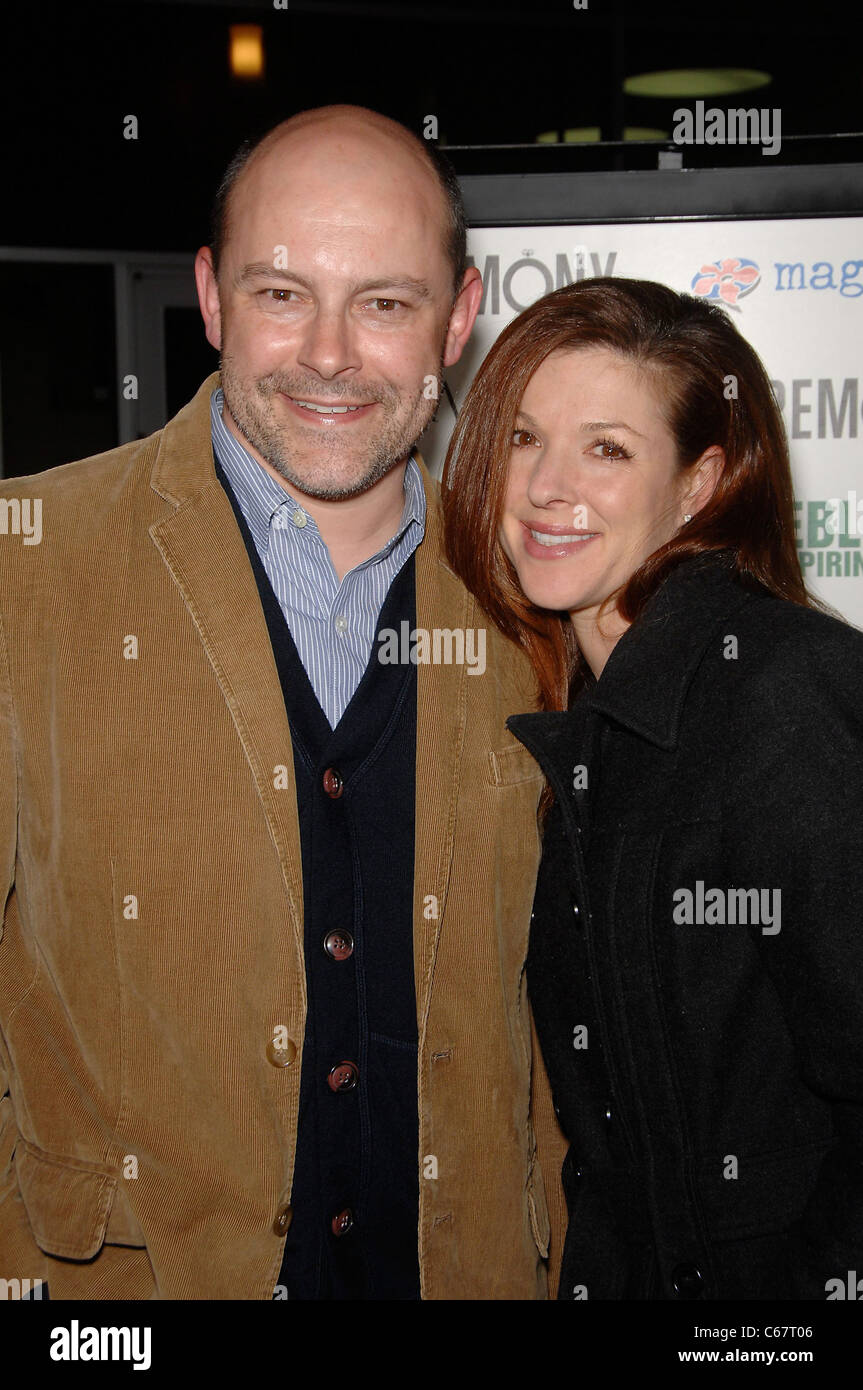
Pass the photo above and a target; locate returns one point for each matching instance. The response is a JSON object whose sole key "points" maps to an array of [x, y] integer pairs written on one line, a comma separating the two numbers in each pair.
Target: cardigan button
{"points": [[686, 1280], [333, 783], [342, 1222], [339, 944], [343, 1077]]}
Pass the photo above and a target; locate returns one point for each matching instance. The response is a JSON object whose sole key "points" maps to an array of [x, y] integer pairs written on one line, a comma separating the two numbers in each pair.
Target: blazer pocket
{"points": [[513, 764], [73, 1207]]}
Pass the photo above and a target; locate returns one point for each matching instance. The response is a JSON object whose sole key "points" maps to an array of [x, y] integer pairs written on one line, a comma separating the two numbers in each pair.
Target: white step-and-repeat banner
{"points": [[794, 288]]}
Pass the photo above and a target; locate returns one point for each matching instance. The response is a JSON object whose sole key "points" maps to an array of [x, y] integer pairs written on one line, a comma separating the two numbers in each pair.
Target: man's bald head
{"points": [[361, 129]]}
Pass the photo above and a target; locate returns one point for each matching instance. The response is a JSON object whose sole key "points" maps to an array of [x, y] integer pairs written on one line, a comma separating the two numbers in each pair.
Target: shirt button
{"points": [[341, 623], [282, 1222], [332, 783], [339, 944], [281, 1056], [342, 1222], [343, 1077], [608, 1116], [299, 517]]}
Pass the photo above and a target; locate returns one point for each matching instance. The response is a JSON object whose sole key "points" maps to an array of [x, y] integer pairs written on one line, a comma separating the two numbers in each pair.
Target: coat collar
{"points": [[645, 681], [201, 545]]}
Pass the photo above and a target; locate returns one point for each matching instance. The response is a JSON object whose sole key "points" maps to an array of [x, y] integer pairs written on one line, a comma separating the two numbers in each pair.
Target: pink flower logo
{"points": [[727, 281]]}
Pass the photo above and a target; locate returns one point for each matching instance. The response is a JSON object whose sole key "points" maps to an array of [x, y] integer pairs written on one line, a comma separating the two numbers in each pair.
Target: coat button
{"points": [[343, 1077], [282, 1222], [339, 944], [686, 1280], [608, 1116], [333, 783], [281, 1056], [342, 1222]]}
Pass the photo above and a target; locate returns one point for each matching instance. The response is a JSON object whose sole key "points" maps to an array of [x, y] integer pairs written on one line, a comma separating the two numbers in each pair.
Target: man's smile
{"points": [[328, 412]]}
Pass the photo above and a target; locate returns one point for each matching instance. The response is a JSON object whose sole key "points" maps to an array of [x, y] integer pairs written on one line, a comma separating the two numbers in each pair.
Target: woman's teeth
{"points": [[543, 538]]}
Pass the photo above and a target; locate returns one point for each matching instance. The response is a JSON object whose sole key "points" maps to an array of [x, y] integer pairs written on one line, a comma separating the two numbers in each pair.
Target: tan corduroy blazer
{"points": [[152, 942]]}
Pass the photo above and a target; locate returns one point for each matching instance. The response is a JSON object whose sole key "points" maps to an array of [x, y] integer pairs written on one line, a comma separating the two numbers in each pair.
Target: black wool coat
{"points": [[705, 1046]]}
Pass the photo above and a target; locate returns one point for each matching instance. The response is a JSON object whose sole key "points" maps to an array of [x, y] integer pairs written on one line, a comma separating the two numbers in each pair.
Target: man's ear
{"points": [[462, 315], [208, 297], [702, 479]]}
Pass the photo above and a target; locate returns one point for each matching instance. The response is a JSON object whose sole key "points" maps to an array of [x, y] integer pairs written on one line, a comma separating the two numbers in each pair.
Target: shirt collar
{"points": [[260, 496]]}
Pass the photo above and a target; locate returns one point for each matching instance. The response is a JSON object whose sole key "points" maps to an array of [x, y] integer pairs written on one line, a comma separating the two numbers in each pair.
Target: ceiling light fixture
{"points": [[246, 50], [591, 134], [696, 82]]}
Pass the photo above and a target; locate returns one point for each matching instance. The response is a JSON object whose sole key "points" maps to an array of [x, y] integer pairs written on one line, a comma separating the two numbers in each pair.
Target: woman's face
{"points": [[594, 486]]}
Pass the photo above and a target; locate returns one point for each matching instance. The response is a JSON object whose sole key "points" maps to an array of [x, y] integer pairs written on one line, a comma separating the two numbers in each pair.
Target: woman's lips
{"points": [[556, 544]]}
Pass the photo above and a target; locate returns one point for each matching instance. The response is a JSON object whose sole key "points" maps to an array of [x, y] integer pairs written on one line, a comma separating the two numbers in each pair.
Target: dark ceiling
{"points": [[493, 74]]}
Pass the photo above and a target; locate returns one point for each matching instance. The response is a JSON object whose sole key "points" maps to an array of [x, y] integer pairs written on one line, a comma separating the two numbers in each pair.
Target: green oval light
{"points": [[696, 82], [585, 135]]}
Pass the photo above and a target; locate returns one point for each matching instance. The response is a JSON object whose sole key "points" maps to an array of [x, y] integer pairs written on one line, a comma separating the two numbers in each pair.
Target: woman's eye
{"points": [[522, 439], [608, 449]]}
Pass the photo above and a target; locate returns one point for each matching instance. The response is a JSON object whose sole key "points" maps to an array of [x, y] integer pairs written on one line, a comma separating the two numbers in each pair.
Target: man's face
{"points": [[334, 295]]}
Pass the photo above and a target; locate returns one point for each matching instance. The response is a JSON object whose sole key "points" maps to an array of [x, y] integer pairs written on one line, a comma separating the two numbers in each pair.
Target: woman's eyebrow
{"points": [[587, 426], [610, 425]]}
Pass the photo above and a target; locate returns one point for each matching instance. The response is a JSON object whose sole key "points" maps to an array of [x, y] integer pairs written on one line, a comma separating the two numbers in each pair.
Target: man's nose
{"points": [[328, 345]]}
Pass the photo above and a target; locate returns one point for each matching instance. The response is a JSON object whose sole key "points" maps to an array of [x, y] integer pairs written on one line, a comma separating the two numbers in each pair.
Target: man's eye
{"points": [[523, 439], [279, 296], [387, 306]]}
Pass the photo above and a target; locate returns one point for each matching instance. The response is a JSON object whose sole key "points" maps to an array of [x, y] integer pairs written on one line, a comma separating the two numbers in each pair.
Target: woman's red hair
{"points": [[714, 391]]}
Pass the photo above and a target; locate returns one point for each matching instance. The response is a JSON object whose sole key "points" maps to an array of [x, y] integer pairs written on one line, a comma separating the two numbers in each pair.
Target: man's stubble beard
{"points": [[250, 404]]}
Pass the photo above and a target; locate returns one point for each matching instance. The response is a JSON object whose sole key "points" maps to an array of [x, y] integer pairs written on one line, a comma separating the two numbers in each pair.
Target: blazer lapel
{"points": [[203, 550], [442, 601]]}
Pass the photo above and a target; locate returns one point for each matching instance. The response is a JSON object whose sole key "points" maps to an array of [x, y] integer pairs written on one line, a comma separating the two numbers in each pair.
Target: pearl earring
{"points": [[687, 517]]}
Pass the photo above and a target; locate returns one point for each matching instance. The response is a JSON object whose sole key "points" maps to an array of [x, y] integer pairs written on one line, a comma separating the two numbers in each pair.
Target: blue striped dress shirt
{"points": [[333, 623]]}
